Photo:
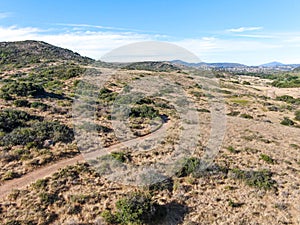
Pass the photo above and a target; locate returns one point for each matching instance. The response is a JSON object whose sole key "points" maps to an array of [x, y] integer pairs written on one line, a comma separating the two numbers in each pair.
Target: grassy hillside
{"points": [[24, 53]]}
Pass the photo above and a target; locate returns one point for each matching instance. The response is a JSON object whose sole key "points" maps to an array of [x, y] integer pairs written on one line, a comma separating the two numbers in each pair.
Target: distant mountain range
{"points": [[224, 65]]}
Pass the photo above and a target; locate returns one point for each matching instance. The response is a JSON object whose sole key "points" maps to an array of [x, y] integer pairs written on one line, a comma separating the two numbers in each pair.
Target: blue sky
{"points": [[250, 32]]}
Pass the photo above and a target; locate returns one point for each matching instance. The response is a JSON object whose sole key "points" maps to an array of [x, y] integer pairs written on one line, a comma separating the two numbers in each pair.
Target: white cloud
{"points": [[89, 43], [247, 49], [243, 29]]}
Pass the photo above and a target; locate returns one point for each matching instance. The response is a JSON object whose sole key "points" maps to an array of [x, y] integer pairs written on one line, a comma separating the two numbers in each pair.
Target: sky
{"points": [[250, 32]]}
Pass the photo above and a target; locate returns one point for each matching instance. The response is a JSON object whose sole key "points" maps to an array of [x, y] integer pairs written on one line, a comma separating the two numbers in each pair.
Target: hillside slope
{"points": [[22, 53]]}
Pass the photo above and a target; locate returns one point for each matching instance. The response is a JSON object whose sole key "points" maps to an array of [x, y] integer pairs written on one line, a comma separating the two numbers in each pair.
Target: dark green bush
{"points": [[107, 95], [288, 99], [297, 115], [21, 103], [189, 166], [144, 111], [48, 198], [246, 83], [119, 156], [5, 96], [287, 122], [246, 116], [260, 179], [37, 134], [137, 208], [11, 119], [23, 89], [39, 105]]}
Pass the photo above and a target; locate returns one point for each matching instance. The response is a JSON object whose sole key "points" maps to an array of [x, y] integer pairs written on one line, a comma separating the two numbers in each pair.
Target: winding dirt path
{"points": [[43, 172]]}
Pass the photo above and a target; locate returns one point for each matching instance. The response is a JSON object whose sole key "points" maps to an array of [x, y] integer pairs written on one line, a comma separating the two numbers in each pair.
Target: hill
{"points": [[211, 65], [272, 64], [153, 66], [22, 53]]}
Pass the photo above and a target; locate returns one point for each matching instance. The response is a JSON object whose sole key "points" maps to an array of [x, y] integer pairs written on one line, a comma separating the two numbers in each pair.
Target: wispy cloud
{"points": [[244, 29], [4, 15], [89, 43], [255, 36], [253, 48], [88, 26]]}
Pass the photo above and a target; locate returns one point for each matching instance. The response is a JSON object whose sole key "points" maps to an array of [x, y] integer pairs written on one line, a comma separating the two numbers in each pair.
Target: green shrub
{"points": [[233, 113], [246, 116], [107, 95], [119, 156], [109, 217], [37, 134], [137, 208], [48, 198], [246, 83], [144, 111], [5, 96], [232, 149], [10, 175], [21, 103], [23, 89], [288, 99], [297, 115], [260, 179], [266, 158], [11, 119], [39, 105], [287, 122], [189, 166]]}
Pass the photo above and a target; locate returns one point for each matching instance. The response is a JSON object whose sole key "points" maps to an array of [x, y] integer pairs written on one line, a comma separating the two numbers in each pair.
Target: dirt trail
{"points": [[43, 172]]}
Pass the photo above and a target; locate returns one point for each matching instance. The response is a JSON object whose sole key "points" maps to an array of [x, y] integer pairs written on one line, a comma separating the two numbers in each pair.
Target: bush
{"points": [[246, 116], [232, 149], [288, 99], [23, 89], [39, 105], [297, 115], [119, 156], [260, 179], [21, 103], [287, 122], [37, 134], [137, 208], [266, 158], [107, 95], [189, 166], [48, 198], [11, 119], [5, 96], [144, 111], [246, 83]]}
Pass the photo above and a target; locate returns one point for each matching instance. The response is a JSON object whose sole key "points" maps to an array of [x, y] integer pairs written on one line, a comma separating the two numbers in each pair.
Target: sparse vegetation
{"points": [[266, 158], [22, 89], [261, 179]]}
